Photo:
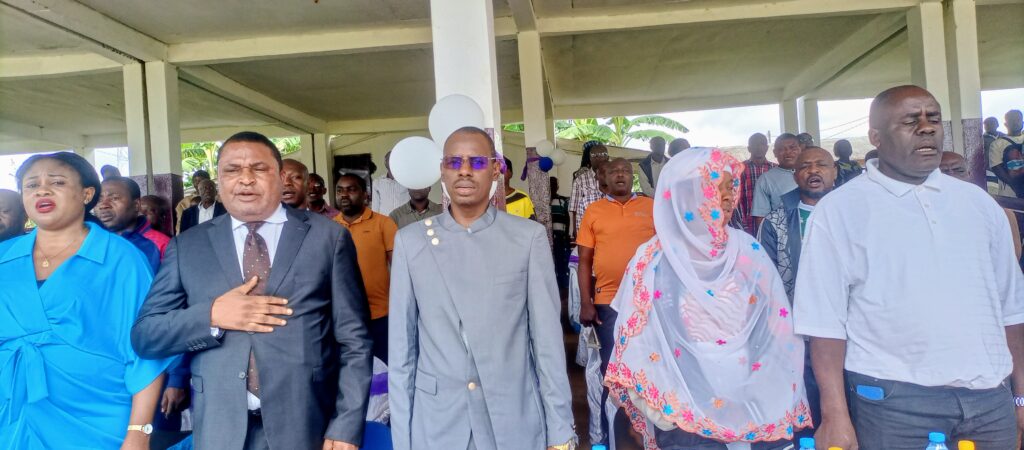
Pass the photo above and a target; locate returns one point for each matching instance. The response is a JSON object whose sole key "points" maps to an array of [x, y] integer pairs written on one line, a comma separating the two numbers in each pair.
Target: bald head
{"points": [[878, 116], [954, 165], [906, 127], [815, 174], [12, 215], [294, 186]]}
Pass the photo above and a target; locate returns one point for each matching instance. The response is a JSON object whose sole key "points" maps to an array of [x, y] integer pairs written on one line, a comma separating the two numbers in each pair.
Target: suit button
{"points": [[241, 375], [471, 386]]}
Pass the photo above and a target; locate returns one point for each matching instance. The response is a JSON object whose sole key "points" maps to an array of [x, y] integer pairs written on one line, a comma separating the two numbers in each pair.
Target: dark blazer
{"points": [[314, 372], [190, 216]]}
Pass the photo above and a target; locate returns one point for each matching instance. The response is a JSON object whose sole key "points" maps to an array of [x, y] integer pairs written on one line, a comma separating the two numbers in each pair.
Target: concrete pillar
{"points": [[89, 153], [535, 120], [465, 60], [809, 122], [789, 116], [139, 162], [164, 130], [925, 25], [305, 153], [961, 40], [322, 159]]}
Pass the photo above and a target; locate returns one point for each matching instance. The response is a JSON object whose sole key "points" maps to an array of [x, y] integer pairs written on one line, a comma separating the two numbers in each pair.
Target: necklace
{"points": [[46, 259]]}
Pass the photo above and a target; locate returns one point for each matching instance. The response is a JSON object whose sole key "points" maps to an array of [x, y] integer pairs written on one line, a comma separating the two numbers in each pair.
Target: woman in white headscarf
{"points": [[705, 356]]}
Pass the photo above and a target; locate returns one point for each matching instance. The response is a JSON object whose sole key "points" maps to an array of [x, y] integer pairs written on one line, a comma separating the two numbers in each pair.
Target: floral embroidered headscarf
{"points": [[704, 337]]}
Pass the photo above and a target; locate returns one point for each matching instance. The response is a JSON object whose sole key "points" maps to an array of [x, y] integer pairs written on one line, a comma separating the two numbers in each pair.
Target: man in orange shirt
{"points": [[374, 236], [612, 229]]}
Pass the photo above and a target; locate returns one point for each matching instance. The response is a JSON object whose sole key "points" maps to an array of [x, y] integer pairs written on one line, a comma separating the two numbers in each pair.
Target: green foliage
{"points": [[203, 156], [619, 130]]}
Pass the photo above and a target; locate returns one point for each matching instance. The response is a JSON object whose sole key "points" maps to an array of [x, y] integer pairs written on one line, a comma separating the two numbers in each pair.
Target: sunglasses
{"points": [[475, 162], [1015, 164]]}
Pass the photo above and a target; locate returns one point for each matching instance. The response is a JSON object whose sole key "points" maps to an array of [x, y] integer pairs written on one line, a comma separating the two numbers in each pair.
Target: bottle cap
{"points": [[598, 447], [936, 437], [965, 445], [807, 443]]}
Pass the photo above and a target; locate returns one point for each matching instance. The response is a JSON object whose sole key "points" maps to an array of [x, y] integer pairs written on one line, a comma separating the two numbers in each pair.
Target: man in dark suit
{"points": [[281, 350], [207, 208]]}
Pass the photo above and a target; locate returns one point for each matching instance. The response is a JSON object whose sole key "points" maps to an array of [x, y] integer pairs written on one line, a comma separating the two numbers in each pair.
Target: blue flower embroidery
{"points": [[750, 436], [710, 293], [755, 246], [789, 429], [715, 214], [623, 398], [688, 216], [707, 432], [736, 183], [667, 409], [622, 340], [639, 388], [800, 418], [714, 175]]}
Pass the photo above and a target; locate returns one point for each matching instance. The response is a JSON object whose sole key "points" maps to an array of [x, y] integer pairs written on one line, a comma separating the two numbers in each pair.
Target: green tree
{"points": [[618, 130], [203, 156]]}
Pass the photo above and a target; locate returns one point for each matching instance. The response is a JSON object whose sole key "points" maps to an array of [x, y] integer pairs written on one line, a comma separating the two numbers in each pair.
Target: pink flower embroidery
{"points": [[720, 342], [677, 352], [687, 416], [783, 312], [755, 367], [667, 195], [714, 252], [657, 295]]}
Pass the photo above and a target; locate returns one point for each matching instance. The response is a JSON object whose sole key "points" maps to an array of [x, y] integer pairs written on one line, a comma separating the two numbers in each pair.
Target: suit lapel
{"points": [[222, 241], [292, 235]]}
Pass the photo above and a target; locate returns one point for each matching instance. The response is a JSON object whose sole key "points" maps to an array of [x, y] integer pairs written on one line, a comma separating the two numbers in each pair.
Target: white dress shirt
{"points": [[921, 281], [206, 213], [387, 195], [271, 233]]}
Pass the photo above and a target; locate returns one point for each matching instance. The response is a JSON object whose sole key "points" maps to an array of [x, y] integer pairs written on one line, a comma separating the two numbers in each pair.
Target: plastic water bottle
{"points": [[806, 443], [965, 445], [936, 441], [599, 447]]}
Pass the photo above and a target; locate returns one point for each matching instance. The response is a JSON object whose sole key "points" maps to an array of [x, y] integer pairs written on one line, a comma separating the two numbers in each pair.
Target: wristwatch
{"points": [[1019, 401], [145, 429]]}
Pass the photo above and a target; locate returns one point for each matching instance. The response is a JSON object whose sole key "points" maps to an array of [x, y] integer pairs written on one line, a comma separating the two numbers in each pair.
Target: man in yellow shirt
{"points": [[517, 202], [374, 236]]}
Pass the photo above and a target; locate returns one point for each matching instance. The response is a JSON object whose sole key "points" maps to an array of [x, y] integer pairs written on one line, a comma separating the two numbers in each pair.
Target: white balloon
{"points": [[544, 148], [451, 113], [558, 156], [416, 162]]}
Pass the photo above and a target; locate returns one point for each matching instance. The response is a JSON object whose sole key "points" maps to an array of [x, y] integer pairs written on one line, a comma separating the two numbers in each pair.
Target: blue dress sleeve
{"points": [[134, 280]]}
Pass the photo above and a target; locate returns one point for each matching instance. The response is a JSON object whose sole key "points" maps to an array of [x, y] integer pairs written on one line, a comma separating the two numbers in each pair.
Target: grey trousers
{"points": [[892, 415]]}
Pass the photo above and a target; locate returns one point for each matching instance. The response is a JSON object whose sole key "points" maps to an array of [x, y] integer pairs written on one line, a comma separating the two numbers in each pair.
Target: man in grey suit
{"points": [[476, 354], [281, 351]]}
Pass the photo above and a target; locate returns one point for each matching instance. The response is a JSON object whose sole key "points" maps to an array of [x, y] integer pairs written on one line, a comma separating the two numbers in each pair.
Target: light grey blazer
{"points": [[475, 343]]}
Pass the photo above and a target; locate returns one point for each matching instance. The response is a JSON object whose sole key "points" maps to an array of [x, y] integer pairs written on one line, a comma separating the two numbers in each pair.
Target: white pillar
{"points": [[139, 161], [305, 153], [89, 153], [809, 121], [961, 30], [322, 160], [925, 25], [535, 121], [464, 55], [789, 116], [164, 124]]}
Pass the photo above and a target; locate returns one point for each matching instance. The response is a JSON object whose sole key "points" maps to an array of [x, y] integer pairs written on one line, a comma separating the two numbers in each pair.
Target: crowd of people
{"points": [[725, 304]]}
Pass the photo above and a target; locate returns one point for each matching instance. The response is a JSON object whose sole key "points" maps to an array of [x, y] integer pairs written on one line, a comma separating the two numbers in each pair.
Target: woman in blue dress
{"points": [[69, 293]]}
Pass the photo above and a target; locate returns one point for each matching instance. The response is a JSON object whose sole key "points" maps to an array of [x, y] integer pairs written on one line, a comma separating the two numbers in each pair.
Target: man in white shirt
{"points": [[908, 281], [207, 208], [777, 181], [387, 193]]}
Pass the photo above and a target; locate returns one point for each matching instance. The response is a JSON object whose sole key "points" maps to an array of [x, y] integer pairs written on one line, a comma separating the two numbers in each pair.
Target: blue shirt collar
{"points": [[94, 248]]}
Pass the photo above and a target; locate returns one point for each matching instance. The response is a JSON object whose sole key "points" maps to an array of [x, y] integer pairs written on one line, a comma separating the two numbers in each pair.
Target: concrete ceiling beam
{"points": [[109, 37], [845, 54], [36, 133], [214, 82], [595, 20], [523, 14], [34, 67], [562, 112], [383, 38]]}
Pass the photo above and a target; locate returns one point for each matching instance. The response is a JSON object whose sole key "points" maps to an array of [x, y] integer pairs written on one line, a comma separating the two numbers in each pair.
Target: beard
{"points": [[815, 195]]}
